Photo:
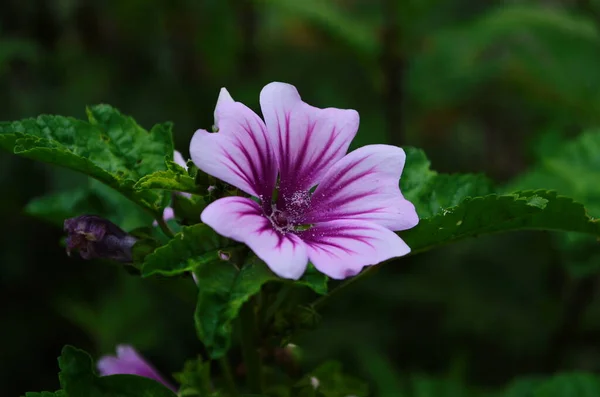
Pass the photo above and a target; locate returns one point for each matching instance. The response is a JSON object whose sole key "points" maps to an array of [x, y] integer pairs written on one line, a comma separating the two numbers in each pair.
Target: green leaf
{"points": [[95, 198], [223, 289], [314, 280], [579, 157], [328, 380], [526, 210], [189, 208], [195, 378], [176, 179], [431, 192], [77, 378], [111, 148], [571, 168], [490, 49], [570, 385], [194, 246]]}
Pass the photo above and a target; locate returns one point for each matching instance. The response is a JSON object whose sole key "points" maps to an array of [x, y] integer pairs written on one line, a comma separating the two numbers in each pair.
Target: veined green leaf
{"points": [[541, 210], [431, 192], [111, 148], [223, 289], [192, 247]]}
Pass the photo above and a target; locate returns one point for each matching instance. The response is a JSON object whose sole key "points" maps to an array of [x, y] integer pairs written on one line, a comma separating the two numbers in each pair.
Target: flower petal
{"points": [[224, 97], [365, 185], [129, 361], [342, 248], [240, 153], [179, 160], [241, 219], [168, 214], [306, 140]]}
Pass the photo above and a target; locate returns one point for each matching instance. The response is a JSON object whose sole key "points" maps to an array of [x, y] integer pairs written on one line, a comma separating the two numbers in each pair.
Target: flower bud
{"points": [[96, 237]]}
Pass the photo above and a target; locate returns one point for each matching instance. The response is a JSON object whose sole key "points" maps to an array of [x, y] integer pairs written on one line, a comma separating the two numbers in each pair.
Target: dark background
{"points": [[482, 86]]}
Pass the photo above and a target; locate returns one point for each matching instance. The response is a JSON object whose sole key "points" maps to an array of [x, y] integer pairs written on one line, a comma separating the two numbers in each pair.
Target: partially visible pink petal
{"points": [[129, 361], [342, 248], [168, 214], [240, 153], [179, 160], [241, 219], [306, 140], [224, 97], [365, 185]]}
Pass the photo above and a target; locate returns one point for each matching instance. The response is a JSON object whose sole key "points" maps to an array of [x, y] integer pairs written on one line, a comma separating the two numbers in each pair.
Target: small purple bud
{"points": [[224, 256], [96, 237]]}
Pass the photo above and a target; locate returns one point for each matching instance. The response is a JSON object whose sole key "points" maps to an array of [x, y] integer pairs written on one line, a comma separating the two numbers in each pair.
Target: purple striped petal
{"points": [[129, 361], [342, 248], [306, 140], [365, 185], [242, 219], [240, 153]]}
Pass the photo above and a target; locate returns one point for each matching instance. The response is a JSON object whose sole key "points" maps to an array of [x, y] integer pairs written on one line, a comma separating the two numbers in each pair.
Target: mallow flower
{"points": [[129, 362], [309, 200]]}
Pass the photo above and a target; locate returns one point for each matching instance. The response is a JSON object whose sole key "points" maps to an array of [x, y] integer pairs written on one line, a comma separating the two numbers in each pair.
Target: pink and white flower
{"points": [[311, 200]]}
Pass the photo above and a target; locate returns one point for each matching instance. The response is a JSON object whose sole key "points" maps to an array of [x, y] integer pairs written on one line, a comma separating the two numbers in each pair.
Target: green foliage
{"points": [[194, 246], [539, 209], [77, 379], [175, 178], [223, 289], [95, 198], [453, 207], [432, 192], [59, 393], [110, 147], [571, 167], [195, 379], [540, 50]]}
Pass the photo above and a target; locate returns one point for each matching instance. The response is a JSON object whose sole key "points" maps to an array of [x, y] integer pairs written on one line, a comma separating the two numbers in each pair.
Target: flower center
{"points": [[287, 215]]}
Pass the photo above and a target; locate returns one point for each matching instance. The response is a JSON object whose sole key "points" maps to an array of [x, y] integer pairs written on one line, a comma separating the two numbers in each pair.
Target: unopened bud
{"points": [[224, 256], [314, 382], [96, 237]]}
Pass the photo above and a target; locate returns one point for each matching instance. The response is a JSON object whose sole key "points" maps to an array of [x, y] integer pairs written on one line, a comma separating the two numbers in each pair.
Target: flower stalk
{"points": [[228, 377], [249, 339]]}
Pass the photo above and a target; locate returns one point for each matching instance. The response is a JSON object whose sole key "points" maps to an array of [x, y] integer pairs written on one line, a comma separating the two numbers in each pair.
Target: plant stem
{"points": [[228, 377], [579, 297], [250, 348], [164, 227]]}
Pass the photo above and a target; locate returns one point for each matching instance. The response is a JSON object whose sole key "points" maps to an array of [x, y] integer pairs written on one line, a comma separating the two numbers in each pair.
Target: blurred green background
{"points": [[483, 86]]}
